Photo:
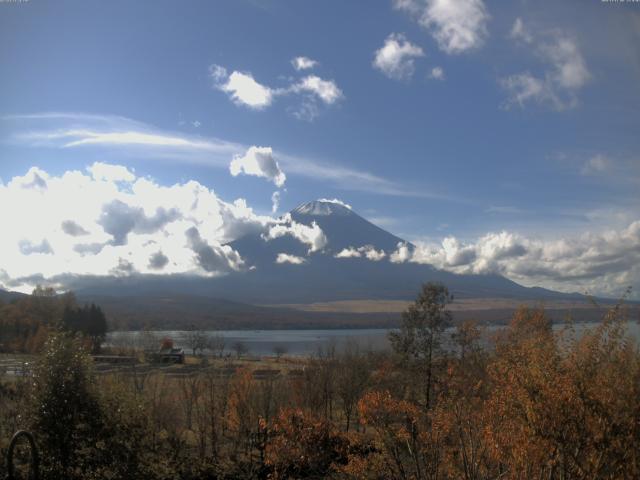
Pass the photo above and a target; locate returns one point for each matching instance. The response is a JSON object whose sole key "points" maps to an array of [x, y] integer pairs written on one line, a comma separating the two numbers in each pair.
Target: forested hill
{"points": [[27, 320]]}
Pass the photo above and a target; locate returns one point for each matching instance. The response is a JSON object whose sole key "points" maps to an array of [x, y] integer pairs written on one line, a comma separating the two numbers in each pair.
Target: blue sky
{"points": [[432, 118]]}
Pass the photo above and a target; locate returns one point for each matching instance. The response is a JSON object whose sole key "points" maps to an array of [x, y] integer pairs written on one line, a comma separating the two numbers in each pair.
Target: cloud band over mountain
{"points": [[108, 221]]}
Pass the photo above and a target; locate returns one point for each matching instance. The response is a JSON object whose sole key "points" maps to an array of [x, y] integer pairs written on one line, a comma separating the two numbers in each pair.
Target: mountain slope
{"points": [[323, 277], [320, 277], [342, 226]]}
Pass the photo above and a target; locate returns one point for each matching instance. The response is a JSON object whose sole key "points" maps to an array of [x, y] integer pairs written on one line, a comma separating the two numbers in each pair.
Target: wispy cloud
{"points": [[596, 165], [565, 70], [357, 180], [132, 138], [79, 130]]}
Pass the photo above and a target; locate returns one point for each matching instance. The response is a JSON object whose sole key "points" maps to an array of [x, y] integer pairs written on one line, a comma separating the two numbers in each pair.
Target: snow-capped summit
{"points": [[322, 207]]}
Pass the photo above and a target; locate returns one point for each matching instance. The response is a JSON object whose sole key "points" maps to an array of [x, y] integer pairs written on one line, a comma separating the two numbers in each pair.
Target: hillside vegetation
{"points": [[537, 404]]}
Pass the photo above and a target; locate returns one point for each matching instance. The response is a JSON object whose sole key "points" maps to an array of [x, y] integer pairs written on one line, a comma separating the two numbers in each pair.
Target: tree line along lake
{"points": [[300, 342]]}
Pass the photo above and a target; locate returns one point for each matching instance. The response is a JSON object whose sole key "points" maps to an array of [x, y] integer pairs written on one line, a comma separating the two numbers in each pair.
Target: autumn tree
{"points": [[353, 374], [195, 339], [302, 445], [240, 348]]}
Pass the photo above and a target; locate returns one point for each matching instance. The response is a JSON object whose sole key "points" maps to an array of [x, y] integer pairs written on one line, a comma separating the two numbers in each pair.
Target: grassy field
{"points": [[397, 306]]}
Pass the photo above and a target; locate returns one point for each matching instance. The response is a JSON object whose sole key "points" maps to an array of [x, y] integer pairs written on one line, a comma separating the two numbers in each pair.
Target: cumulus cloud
{"points": [[313, 236], [396, 57], [565, 71], [212, 258], [604, 263], [348, 253], [111, 173], [35, 179], [259, 162], [403, 253], [303, 63], [292, 259], [118, 219], [456, 25], [367, 251], [243, 89], [112, 222]]}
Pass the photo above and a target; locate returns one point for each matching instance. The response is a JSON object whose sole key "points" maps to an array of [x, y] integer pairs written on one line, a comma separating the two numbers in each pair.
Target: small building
{"points": [[171, 355]]}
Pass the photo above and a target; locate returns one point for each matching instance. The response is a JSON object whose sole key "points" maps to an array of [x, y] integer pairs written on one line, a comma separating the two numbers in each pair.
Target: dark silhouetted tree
{"points": [[418, 340]]}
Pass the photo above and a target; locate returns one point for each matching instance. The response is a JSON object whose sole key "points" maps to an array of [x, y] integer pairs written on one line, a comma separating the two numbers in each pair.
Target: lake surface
{"points": [[300, 342]]}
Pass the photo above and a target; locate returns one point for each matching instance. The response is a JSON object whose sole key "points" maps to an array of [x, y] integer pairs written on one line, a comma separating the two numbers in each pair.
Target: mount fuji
{"points": [[320, 253], [352, 263]]}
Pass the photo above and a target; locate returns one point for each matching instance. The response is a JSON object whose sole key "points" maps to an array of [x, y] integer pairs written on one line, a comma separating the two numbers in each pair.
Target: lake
{"points": [[298, 342]]}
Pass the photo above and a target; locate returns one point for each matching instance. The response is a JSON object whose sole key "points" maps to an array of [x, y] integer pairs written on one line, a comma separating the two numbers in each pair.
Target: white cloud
{"points": [[116, 226], [111, 173], [456, 25], [242, 88], [286, 258], [402, 253], [348, 253], [303, 63], [325, 90], [368, 251], [437, 73], [275, 202], [523, 87], [259, 162], [372, 254], [565, 73], [604, 263], [569, 68], [313, 236], [396, 57]]}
